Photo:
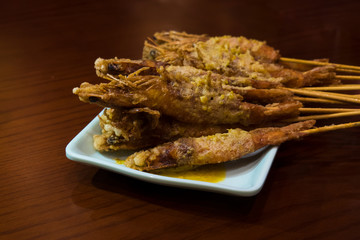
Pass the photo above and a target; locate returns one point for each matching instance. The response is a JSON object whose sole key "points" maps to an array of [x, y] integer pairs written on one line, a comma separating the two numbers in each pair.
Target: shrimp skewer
{"points": [[126, 67], [234, 56], [204, 103], [172, 40], [254, 91], [213, 149], [138, 128]]}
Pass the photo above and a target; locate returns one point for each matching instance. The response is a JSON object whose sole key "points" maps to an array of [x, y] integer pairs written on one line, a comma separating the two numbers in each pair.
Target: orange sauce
{"points": [[208, 173]]}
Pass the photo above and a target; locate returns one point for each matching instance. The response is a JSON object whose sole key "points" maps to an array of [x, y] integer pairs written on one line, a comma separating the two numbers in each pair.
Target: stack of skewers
{"points": [[194, 100]]}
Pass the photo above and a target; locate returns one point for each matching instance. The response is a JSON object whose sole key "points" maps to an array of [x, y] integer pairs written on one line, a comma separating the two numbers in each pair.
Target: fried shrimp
{"points": [[194, 101], [126, 67], [233, 56], [173, 41], [213, 149], [253, 91], [138, 128]]}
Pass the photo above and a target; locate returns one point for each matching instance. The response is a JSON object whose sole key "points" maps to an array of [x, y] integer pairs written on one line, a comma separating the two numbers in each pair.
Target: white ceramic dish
{"points": [[244, 177]]}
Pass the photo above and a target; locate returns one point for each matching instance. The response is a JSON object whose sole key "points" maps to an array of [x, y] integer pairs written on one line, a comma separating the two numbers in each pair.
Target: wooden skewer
{"points": [[355, 96], [331, 128], [322, 116], [342, 97], [347, 70], [327, 110], [347, 77], [316, 63], [316, 100], [344, 87]]}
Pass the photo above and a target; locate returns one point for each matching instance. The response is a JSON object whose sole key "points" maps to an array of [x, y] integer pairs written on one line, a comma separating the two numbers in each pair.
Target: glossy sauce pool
{"points": [[209, 173]]}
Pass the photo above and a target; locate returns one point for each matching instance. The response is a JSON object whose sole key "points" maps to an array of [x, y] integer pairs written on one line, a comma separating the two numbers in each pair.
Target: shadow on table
{"points": [[202, 203]]}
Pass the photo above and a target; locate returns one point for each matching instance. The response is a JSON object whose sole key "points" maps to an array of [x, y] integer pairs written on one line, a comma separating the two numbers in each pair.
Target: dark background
{"points": [[49, 47]]}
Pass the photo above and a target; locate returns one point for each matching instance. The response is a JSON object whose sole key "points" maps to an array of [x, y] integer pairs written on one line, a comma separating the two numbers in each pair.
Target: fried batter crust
{"points": [[232, 56], [210, 103], [126, 67], [213, 149], [173, 41], [140, 128]]}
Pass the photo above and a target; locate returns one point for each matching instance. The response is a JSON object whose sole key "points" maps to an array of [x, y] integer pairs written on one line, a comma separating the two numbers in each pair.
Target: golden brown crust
{"points": [[185, 101], [213, 149], [182, 42], [193, 151], [323, 75], [233, 56], [107, 68], [140, 128]]}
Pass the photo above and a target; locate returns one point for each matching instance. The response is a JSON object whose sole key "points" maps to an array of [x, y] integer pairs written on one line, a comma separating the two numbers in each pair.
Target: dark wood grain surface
{"points": [[48, 47]]}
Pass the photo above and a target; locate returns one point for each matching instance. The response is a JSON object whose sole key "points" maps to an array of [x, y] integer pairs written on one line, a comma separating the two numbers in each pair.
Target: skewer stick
{"points": [[316, 100], [355, 96], [342, 97], [327, 110], [316, 63], [323, 116], [347, 77], [331, 128], [347, 70], [344, 87]]}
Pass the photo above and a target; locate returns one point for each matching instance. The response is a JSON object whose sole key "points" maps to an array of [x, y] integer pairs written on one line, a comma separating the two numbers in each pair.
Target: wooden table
{"points": [[48, 47]]}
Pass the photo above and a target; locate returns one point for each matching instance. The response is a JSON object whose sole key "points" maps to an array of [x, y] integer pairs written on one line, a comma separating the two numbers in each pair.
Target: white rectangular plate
{"points": [[244, 177]]}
